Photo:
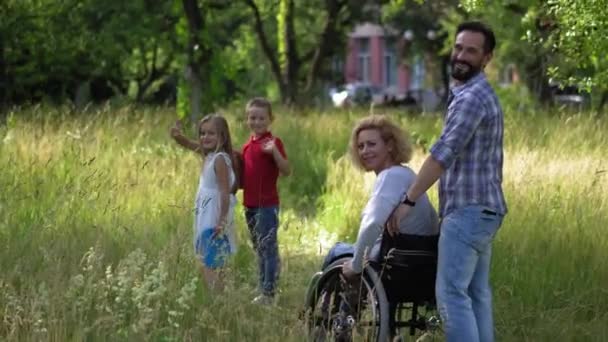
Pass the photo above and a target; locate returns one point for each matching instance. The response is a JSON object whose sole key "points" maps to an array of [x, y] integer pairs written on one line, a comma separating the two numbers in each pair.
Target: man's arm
{"points": [[429, 173], [464, 116]]}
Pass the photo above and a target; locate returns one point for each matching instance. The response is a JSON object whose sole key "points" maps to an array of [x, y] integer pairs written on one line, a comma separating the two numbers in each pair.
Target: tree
{"points": [[199, 54], [428, 37], [562, 39], [296, 61], [50, 49], [134, 41], [207, 34], [579, 38]]}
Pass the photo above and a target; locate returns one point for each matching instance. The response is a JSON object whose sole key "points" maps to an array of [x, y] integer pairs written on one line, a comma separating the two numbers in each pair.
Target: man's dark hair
{"points": [[479, 27]]}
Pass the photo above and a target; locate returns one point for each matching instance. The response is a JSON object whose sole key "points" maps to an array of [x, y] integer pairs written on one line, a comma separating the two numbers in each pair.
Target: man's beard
{"points": [[466, 73]]}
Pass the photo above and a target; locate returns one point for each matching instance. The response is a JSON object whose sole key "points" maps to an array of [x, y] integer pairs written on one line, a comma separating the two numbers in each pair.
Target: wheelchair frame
{"points": [[386, 305]]}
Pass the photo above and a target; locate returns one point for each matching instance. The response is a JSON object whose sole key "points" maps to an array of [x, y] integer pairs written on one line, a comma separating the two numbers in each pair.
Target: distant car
{"points": [[569, 96], [357, 94]]}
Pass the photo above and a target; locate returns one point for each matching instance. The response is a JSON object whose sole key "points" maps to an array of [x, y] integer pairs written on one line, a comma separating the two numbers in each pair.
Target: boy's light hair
{"points": [[259, 102], [391, 134], [221, 125]]}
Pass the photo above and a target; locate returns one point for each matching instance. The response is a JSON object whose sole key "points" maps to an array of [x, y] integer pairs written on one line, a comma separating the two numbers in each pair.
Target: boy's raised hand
{"points": [[269, 146]]}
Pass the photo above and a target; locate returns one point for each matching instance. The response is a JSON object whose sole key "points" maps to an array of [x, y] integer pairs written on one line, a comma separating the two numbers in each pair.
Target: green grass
{"points": [[96, 235]]}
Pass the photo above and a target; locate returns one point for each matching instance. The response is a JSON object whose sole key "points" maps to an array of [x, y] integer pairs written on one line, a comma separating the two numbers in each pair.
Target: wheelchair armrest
{"points": [[410, 258], [409, 242]]}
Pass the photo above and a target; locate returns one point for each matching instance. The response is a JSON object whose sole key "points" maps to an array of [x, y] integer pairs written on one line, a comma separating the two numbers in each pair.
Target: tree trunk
{"points": [[3, 82], [603, 101], [196, 93], [286, 65], [198, 58], [537, 81], [291, 60], [324, 48], [266, 48]]}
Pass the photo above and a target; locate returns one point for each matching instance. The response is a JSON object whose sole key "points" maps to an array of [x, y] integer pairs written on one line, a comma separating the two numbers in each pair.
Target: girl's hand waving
{"points": [[176, 130]]}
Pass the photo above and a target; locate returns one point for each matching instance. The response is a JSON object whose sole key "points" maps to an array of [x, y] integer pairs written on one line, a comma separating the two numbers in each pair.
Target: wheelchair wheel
{"points": [[341, 311]]}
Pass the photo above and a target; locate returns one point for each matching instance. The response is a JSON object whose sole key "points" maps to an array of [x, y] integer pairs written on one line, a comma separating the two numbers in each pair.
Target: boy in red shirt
{"points": [[264, 158]]}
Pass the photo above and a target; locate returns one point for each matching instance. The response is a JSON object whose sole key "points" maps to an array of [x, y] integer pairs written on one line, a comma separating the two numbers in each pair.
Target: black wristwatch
{"points": [[407, 201]]}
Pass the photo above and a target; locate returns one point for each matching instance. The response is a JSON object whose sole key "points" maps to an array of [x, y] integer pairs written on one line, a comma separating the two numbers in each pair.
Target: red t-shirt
{"points": [[260, 172]]}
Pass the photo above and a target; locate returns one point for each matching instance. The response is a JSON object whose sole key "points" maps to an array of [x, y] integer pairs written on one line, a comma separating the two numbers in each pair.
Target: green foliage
{"points": [[562, 38], [51, 48], [281, 28], [473, 5], [579, 39], [91, 51], [303, 32]]}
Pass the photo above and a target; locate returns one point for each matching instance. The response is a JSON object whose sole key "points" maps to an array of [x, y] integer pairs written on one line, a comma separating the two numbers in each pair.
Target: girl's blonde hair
{"points": [[221, 125], [259, 102], [391, 134]]}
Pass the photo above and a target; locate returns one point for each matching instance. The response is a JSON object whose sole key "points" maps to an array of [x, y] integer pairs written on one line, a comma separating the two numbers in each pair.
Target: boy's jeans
{"points": [[464, 297], [263, 224]]}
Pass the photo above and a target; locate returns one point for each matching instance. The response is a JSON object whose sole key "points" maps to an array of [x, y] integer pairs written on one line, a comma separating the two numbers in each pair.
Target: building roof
{"points": [[365, 30]]}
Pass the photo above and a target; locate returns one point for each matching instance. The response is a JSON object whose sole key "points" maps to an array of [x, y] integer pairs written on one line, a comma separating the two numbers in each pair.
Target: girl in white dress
{"points": [[214, 236]]}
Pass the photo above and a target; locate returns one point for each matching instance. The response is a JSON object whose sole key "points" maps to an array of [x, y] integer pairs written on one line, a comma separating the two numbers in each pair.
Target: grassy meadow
{"points": [[96, 226]]}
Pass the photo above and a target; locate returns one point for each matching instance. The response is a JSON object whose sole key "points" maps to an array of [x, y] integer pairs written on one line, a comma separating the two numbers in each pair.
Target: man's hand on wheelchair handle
{"points": [[392, 225]]}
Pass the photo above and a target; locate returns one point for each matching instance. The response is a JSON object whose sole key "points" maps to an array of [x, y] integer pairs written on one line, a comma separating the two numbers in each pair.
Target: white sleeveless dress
{"points": [[207, 202]]}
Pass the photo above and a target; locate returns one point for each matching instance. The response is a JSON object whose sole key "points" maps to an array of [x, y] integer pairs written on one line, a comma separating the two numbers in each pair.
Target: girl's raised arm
{"points": [[178, 136]]}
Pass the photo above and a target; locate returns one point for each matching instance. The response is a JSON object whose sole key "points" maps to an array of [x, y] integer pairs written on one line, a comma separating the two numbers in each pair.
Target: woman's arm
{"points": [[223, 182], [385, 197], [369, 231]]}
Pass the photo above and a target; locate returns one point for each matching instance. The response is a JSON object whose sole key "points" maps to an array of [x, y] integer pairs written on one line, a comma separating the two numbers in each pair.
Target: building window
{"points": [[418, 73], [363, 60], [337, 69], [390, 63], [337, 64]]}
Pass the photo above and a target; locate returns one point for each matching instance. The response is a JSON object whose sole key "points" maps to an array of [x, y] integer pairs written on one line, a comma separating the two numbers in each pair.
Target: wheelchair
{"points": [[372, 307]]}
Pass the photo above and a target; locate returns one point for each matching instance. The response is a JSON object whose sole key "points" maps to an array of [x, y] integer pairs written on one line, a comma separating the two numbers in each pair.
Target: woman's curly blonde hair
{"points": [[393, 135]]}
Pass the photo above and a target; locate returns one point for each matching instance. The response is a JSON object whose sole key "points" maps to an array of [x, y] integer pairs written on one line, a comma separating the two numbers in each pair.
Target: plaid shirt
{"points": [[470, 149]]}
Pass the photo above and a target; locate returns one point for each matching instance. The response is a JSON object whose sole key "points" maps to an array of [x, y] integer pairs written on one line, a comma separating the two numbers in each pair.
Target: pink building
{"points": [[373, 57]]}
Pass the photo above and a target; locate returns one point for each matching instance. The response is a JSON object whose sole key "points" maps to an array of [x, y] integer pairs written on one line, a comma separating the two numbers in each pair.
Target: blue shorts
{"points": [[212, 251]]}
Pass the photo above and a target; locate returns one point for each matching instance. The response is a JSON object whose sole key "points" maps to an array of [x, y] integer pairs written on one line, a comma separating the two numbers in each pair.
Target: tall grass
{"points": [[96, 235]]}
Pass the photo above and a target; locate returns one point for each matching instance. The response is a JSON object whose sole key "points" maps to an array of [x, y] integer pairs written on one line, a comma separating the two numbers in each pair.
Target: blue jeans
{"points": [[464, 297], [339, 250], [263, 224]]}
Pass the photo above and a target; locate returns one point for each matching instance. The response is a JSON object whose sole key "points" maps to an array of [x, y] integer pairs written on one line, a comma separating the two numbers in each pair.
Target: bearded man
{"points": [[467, 160]]}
